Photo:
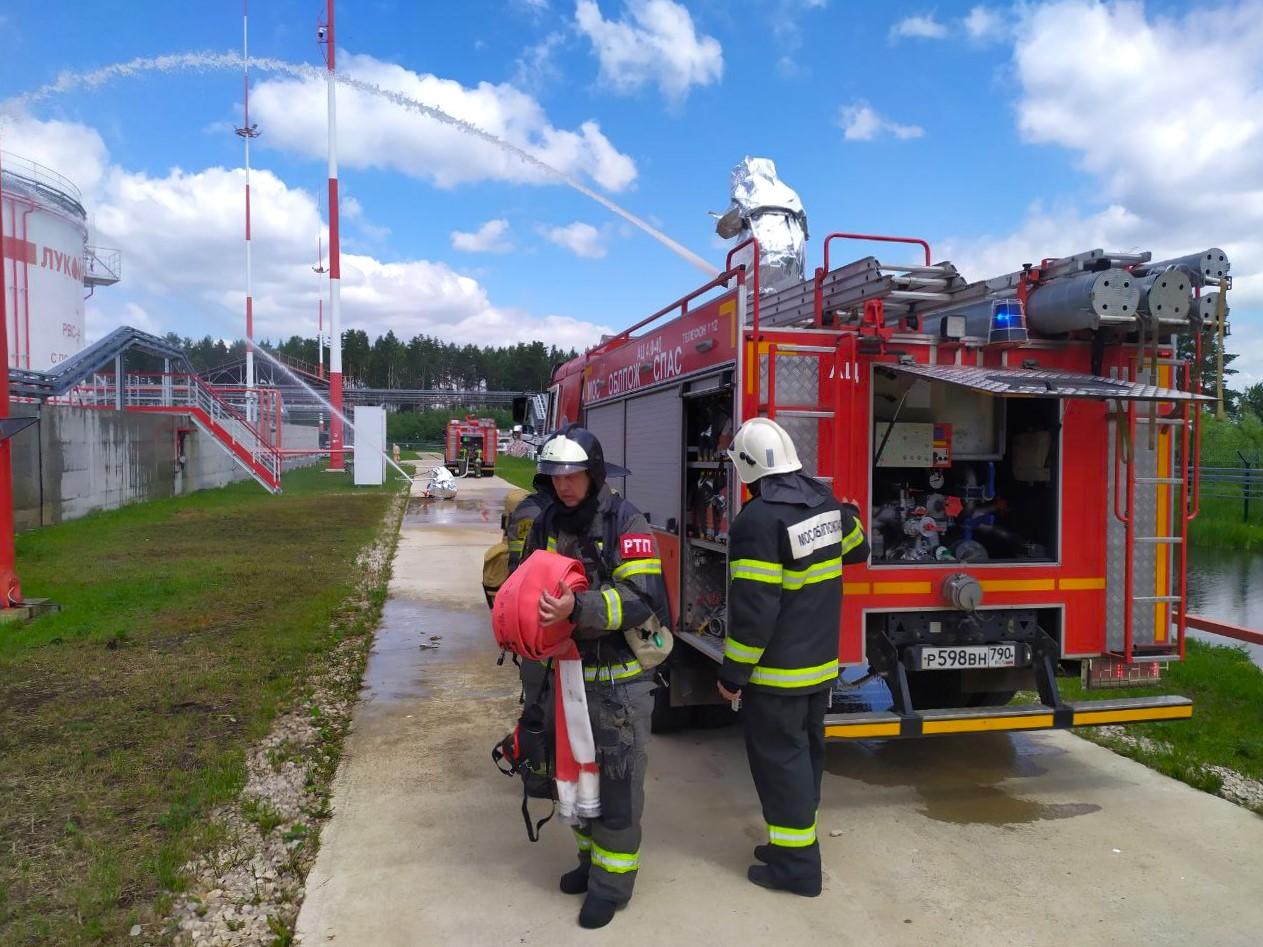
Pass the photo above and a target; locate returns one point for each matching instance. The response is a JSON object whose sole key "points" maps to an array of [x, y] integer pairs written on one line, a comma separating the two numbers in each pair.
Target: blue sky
{"points": [[1001, 133]]}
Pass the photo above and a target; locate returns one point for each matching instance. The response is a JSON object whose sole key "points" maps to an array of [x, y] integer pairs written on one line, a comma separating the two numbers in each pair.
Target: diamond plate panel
{"points": [[797, 380], [806, 435]]}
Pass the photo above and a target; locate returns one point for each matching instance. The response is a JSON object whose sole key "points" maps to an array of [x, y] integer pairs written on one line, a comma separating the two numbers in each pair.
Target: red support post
{"points": [[10, 588], [336, 456]]}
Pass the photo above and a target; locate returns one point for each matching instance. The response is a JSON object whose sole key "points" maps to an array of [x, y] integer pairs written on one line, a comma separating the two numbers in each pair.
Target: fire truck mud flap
{"points": [[878, 725]]}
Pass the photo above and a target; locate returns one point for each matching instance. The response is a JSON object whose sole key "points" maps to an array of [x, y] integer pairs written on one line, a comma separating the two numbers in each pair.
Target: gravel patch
{"points": [[1242, 790], [248, 891]]}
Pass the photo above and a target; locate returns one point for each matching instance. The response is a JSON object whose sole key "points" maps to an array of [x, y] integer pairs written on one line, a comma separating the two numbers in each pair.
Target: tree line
{"points": [[390, 362]]}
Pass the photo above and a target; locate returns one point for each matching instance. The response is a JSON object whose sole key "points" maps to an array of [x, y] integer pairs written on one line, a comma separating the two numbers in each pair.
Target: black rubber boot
{"points": [[761, 875], [596, 912], [765, 853], [575, 881]]}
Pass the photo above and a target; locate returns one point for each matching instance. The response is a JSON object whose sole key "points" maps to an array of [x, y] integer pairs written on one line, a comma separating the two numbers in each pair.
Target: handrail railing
{"points": [[175, 390], [754, 280], [682, 304], [876, 238]]}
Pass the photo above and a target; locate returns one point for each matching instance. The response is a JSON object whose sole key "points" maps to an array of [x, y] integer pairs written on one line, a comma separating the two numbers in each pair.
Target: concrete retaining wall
{"points": [[78, 460]]}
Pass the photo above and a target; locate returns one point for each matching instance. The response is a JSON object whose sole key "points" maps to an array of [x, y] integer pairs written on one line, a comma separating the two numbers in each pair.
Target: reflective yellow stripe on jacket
{"points": [[742, 653], [608, 673], [756, 570], [613, 608], [637, 567], [853, 538], [821, 571], [795, 677]]}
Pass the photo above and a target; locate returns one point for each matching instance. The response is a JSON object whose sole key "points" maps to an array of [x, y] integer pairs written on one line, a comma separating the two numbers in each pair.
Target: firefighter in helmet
{"points": [[588, 521], [786, 549]]}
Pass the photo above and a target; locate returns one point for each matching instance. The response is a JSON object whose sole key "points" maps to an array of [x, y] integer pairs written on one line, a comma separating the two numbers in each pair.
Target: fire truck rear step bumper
{"points": [[1083, 713]]}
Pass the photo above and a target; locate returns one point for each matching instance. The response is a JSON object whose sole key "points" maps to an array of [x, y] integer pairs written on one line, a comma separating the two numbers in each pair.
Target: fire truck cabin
{"points": [[470, 446]]}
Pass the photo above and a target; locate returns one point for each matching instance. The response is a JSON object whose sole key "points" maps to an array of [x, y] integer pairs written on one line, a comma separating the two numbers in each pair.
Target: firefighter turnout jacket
{"points": [[519, 522], [624, 571], [786, 550]]}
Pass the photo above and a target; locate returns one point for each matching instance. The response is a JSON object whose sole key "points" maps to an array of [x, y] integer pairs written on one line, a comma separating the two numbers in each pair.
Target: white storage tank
{"points": [[49, 269]]}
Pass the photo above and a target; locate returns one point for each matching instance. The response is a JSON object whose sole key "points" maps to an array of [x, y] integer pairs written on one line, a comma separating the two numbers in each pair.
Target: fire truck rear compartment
{"points": [[961, 476], [917, 642]]}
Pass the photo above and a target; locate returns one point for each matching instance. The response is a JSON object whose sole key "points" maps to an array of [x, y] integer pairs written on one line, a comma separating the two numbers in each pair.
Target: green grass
{"points": [[519, 471], [1219, 525], [124, 720], [1227, 724]]}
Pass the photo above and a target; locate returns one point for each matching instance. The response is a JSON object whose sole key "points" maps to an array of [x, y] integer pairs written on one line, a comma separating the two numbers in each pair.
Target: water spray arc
{"points": [[297, 379], [325, 36], [70, 81], [247, 132]]}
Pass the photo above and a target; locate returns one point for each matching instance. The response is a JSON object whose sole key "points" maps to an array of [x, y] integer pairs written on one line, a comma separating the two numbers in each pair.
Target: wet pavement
{"points": [[1039, 839]]}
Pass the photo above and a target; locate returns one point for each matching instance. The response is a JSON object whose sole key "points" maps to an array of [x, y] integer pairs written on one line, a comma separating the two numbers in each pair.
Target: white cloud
{"points": [[1165, 114], [655, 42], [922, 26], [986, 25], [579, 238], [375, 133], [491, 237], [74, 151], [784, 23], [537, 65], [860, 122], [183, 258]]}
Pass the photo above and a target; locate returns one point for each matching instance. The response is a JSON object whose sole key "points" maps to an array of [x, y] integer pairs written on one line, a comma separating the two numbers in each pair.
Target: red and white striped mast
{"points": [[320, 270], [324, 35], [248, 131]]}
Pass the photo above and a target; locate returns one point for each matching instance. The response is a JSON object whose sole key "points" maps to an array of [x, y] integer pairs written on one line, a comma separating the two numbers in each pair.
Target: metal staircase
{"points": [[246, 424], [253, 444]]}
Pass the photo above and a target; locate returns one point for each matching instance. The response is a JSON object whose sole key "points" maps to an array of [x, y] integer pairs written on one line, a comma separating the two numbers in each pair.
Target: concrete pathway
{"points": [[1041, 839]]}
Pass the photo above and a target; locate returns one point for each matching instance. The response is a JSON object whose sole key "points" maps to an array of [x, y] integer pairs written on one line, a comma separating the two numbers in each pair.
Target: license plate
{"points": [[967, 657]]}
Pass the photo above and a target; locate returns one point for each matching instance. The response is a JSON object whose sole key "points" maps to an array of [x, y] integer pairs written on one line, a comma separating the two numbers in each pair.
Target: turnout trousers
{"points": [[610, 845], [785, 746]]}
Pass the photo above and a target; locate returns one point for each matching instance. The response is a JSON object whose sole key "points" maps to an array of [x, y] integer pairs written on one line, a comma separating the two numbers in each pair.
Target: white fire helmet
{"points": [[562, 455], [762, 447]]}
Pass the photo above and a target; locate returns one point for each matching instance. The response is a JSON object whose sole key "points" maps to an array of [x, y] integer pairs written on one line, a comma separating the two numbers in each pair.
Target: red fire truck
{"points": [[470, 446], [1023, 449]]}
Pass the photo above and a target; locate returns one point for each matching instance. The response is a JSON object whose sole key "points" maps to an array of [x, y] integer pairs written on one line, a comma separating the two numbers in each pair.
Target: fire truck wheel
{"points": [[665, 718], [714, 716]]}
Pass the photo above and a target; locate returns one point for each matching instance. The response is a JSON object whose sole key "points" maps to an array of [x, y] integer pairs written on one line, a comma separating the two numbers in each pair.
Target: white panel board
{"points": [[370, 446], [607, 422], [654, 454], [909, 445]]}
